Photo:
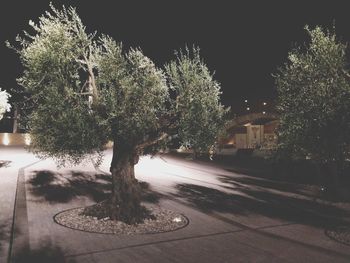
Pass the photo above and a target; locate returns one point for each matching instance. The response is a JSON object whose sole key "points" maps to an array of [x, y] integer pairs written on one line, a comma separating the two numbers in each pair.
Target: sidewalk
{"points": [[14, 158]]}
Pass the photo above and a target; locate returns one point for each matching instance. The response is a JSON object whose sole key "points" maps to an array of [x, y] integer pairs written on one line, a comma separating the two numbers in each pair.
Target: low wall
{"points": [[14, 139], [22, 139]]}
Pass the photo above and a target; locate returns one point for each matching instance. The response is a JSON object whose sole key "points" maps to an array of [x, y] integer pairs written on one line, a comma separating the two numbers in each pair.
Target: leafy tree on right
{"points": [[314, 104]]}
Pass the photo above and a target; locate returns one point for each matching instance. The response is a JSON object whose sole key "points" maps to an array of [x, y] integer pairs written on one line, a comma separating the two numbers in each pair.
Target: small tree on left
{"points": [[4, 104]]}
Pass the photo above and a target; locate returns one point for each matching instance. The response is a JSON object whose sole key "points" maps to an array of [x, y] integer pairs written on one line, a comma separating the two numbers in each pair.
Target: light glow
{"points": [[177, 219], [6, 139]]}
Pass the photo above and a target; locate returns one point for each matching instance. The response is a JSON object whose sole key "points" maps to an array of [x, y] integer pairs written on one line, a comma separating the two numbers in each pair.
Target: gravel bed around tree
{"points": [[340, 234], [163, 221]]}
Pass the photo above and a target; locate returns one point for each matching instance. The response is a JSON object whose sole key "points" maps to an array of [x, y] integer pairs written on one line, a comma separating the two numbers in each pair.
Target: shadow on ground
{"points": [[4, 234], [248, 201], [4, 163], [238, 182], [47, 253], [149, 195], [62, 188]]}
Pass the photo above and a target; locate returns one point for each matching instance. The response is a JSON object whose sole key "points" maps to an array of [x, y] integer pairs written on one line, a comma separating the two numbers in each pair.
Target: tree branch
{"points": [[346, 74], [151, 142], [83, 93], [92, 82]]}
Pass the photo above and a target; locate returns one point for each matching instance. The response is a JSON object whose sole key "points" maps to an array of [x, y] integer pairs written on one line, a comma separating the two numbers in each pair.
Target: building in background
{"points": [[252, 126]]}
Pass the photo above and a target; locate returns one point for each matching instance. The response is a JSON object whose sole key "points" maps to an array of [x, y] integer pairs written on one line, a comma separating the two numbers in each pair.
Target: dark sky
{"points": [[244, 42]]}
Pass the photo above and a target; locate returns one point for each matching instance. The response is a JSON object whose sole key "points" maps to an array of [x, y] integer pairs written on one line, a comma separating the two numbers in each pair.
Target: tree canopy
{"points": [[197, 104], [314, 100], [88, 90]]}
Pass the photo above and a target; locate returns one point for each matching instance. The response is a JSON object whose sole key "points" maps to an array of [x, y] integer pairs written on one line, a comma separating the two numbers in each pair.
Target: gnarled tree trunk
{"points": [[126, 193]]}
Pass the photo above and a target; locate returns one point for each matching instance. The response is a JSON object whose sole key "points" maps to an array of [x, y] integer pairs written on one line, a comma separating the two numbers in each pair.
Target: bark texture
{"points": [[125, 203]]}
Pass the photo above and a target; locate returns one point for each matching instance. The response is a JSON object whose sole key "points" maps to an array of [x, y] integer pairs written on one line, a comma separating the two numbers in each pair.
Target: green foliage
{"points": [[86, 90], [55, 59], [133, 92], [314, 100], [50, 55], [63, 128], [197, 105]]}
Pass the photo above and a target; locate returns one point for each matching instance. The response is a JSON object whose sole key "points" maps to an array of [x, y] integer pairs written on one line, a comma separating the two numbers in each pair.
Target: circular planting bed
{"points": [[161, 221], [340, 234]]}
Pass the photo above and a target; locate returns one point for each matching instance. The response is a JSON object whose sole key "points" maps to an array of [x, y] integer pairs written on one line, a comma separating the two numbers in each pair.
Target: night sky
{"points": [[243, 42]]}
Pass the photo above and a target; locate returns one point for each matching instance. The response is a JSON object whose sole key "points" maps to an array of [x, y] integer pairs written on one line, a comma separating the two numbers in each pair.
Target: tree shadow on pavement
{"points": [[148, 195], [4, 163], [47, 253], [62, 188], [269, 184], [4, 234], [248, 202]]}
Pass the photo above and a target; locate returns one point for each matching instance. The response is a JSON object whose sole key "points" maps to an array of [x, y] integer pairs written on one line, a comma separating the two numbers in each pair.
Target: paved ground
{"points": [[233, 217], [14, 160]]}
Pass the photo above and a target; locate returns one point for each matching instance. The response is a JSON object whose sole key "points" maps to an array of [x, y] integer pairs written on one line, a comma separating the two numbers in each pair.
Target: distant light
{"points": [[248, 108], [264, 103], [264, 112], [246, 101], [247, 124], [5, 139]]}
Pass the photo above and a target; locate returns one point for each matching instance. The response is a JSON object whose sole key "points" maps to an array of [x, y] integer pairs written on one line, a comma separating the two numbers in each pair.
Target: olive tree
{"points": [[88, 90], [314, 102], [197, 106]]}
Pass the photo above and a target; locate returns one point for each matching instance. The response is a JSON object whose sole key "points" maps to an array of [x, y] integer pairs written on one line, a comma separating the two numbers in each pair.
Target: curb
{"points": [[19, 239]]}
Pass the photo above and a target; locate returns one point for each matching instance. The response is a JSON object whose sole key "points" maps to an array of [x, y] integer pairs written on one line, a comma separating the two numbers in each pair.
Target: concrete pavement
{"points": [[233, 217], [14, 158]]}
